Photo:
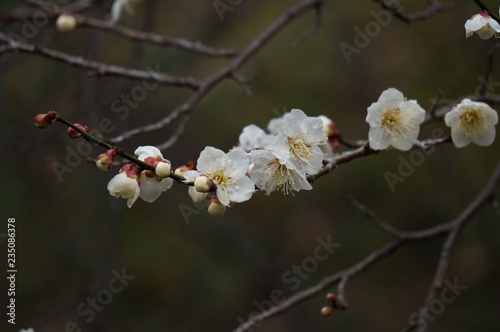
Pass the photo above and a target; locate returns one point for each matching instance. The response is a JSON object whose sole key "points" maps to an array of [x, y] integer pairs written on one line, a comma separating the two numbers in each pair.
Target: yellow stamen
{"points": [[472, 122]]}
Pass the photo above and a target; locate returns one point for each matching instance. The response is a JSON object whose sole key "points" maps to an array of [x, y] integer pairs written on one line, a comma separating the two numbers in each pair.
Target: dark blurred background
{"points": [[200, 273]]}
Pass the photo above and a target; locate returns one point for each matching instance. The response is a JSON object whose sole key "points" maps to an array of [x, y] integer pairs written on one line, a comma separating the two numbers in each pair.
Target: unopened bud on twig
{"points": [[203, 184], [73, 133], [105, 160], [195, 195], [331, 297], [179, 171], [163, 169], [44, 120], [215, 208], [65, 23], [326, 311]]}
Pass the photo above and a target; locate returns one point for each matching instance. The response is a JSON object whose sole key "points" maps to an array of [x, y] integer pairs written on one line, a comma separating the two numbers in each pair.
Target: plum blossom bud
{"points": [[331, 297], [203, 184], [72, 133], [65, 23], [330, 131], [216, 208], [105, 160], [44, 120], [126, 184], [195, 195], [326, 311], [328, 125], [163, 169], [179, 171]]}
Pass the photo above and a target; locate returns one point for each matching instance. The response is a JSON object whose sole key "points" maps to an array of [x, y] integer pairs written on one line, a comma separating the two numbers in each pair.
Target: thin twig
{"points": [[396, 9], [372, 217]]}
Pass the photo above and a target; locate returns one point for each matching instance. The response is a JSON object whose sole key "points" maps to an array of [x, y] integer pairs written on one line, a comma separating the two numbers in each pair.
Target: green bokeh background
{"points": [[202, 273]]}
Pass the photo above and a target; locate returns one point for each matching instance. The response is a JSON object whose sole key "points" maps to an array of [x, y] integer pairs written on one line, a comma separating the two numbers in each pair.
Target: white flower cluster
{"points": [[294, 146], [279, 160], [395, 121], [132, 182], [483, 25]]}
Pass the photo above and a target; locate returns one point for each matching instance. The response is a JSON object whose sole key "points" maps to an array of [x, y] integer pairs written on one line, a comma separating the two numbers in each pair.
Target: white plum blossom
{"points": [[276, 125], [482, 24], [152, 185], [269, 174], [394, 121], [143, 152], [121, 6], [125, 184], [190, 176], [297, 145], [228, 173], [252, 137], [472, 121]]}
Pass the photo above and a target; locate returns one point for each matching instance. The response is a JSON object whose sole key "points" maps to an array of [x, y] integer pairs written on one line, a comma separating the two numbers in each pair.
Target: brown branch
{"points": [[210, 82], [97, 68], [486, 195], [372, 217], [433, 7], [179, 130]]}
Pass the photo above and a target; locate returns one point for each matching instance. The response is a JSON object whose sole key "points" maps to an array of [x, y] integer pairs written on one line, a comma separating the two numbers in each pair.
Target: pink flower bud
{"points": [[73, 133], [331, 297], [184, 168], [44, 120], [133, 171], [105, 160], [153, 161]]}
